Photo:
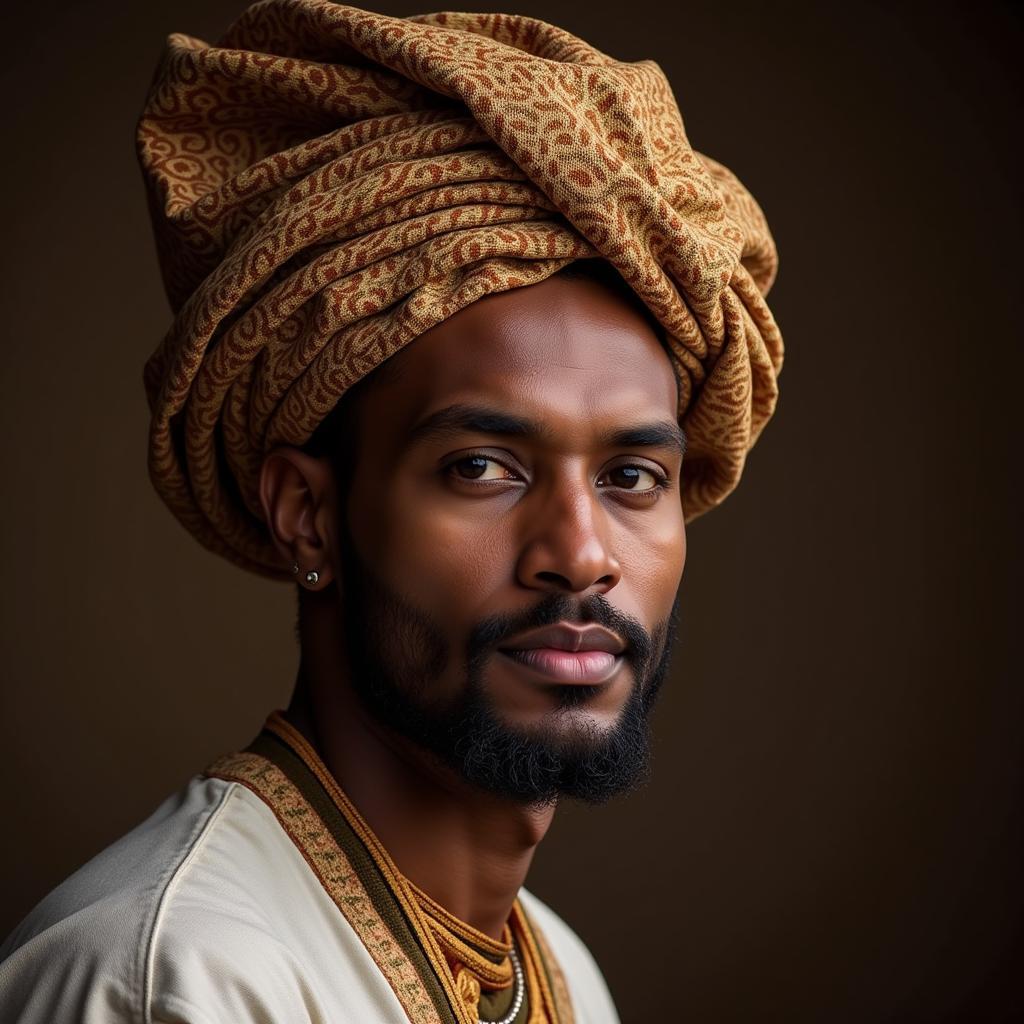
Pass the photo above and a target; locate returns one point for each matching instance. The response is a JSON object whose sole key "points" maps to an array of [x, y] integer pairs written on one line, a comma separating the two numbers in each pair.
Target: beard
{"points": [[398, 653]]}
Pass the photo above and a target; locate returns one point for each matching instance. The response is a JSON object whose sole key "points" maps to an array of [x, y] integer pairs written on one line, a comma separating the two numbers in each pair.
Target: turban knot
{"points": [[327, 183]]}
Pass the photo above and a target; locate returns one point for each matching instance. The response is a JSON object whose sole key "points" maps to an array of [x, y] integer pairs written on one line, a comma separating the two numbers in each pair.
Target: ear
{"points": [[298, 497]]}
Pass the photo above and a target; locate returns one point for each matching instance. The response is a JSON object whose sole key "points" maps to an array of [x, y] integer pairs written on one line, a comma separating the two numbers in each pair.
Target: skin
{"points": [[550, 515]]}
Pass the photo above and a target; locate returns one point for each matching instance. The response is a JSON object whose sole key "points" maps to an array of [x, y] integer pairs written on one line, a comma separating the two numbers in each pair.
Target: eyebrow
{"points": [[461, 418]]}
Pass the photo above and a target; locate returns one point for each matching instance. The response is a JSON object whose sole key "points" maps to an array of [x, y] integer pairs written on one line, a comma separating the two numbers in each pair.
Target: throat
{"points": [[469, 861]]}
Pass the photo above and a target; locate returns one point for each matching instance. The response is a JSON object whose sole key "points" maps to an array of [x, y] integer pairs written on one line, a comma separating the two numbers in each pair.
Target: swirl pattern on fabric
{"points": [[327, 183]]}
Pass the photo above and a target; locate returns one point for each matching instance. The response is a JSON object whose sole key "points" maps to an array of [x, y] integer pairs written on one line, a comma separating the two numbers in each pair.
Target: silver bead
{"points": [[295, 568], [520, 991], [312, 577]]}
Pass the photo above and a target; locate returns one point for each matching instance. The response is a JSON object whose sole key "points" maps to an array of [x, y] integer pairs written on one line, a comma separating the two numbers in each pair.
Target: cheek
{"points": [[652, 556], [435, 549]]}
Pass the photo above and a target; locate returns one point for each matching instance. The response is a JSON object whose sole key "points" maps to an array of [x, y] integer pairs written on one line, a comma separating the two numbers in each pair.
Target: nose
{"points": [[567, 545]]}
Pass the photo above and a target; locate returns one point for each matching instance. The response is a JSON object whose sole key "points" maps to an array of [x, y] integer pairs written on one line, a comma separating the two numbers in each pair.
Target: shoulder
{"points": [[206, 912], [592, 1002], [81, 952], [124, 934]]}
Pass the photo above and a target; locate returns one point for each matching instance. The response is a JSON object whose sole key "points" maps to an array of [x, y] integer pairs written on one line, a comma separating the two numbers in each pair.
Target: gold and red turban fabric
{"points": [[326, 183]]}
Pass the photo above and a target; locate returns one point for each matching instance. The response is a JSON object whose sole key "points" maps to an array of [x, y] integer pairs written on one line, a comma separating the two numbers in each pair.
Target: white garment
{"points": [[207, 913]]}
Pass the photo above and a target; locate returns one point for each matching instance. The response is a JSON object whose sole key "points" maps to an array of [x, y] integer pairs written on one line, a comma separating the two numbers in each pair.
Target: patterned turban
{"points": [[327, 183]]}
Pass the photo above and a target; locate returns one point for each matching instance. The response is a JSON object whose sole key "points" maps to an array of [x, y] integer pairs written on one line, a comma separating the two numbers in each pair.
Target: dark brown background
{"points": [[834, 830]]}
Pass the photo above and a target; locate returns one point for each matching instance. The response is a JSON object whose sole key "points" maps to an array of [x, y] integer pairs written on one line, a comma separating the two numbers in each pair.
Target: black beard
{"points": [[397, 652]]}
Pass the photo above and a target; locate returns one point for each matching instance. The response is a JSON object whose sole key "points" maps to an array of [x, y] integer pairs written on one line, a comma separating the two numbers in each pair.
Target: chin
{"points": [[574, 720]]}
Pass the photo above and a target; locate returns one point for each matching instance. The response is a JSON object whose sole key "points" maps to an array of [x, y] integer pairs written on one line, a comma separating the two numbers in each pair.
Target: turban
{"points": [[326, 183]]}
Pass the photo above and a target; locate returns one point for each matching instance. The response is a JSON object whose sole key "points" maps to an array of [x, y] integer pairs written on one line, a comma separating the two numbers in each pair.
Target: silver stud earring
{"points": [[312, 577], [295, 568]]}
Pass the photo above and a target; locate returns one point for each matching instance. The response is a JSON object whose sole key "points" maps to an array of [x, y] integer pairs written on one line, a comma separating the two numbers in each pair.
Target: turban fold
{"points": [[326, 183]]}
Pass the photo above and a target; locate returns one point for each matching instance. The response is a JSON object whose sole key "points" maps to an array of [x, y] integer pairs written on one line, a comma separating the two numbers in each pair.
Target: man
{"points": [[448, 291]]}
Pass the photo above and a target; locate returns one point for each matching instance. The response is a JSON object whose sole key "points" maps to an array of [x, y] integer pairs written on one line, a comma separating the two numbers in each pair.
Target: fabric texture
{"points": [[326, 183], [209, 912]]}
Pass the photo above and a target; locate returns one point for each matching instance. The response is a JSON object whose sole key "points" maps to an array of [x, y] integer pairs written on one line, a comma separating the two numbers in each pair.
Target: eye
{"points": [[633, 477], [479, 467]]}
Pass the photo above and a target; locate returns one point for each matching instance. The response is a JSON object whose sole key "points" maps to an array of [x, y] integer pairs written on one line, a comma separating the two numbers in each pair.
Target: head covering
{"points": [[326, 183]]}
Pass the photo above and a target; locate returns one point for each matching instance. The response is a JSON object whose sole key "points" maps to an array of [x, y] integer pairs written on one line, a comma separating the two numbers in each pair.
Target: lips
{"points": [[567, 654]]}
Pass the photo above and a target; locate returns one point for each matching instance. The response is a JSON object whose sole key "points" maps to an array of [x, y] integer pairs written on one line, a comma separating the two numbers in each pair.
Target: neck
{"points": [[466, 848]]}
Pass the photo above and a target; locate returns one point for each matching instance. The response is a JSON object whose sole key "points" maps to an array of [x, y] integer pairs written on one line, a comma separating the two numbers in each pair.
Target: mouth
{"points": [[553, 665]]}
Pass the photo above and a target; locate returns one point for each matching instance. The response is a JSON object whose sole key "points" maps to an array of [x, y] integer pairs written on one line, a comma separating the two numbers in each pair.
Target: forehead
{"points": [[567, 350]]}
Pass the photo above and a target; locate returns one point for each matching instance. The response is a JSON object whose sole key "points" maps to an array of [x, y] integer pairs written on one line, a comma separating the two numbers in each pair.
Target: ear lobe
{"points": [[297, 498]]}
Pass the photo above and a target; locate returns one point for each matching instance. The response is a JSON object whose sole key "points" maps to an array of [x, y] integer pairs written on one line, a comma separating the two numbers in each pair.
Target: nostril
{"points": [[554, 577]]}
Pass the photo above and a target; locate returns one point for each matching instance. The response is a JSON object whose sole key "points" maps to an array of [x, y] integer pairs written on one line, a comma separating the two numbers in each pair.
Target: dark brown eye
{"points": [[473, 467], [629, 477]]}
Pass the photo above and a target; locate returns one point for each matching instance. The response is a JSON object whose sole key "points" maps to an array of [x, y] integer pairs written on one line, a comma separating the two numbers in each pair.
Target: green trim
{"points": [[275, 750]]}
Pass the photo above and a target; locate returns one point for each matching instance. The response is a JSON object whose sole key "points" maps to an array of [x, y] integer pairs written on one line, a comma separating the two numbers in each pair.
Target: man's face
{"points": [[520, 470]]}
